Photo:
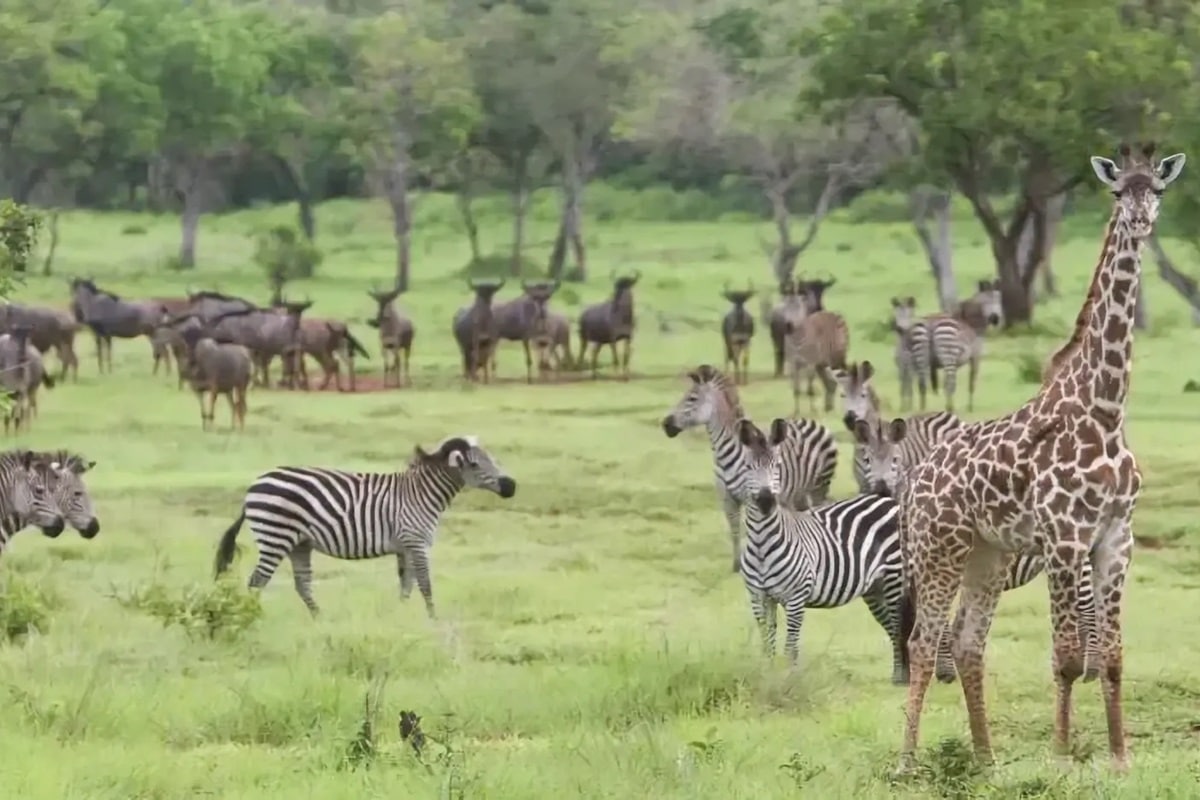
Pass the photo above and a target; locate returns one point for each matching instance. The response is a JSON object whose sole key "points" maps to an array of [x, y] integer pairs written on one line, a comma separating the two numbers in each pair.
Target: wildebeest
{"points": [[519, 319], [608, 323], [21, 373], [208, 304], [323, 339], [265, 333], [109, 316], [396, 333], [475, 331], [163, 345], [218, 367], [552, 340], [737, 330], [48, 328], [791, 292]]}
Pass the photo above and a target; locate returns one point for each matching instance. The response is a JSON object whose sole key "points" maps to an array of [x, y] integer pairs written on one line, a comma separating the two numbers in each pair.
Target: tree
{"points": [[1000, 102], [414, 106], [19, 227]]}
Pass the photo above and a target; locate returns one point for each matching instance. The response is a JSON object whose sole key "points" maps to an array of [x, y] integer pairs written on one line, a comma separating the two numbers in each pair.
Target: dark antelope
{"points": [[737, 330], [21, 373], [48, 328], [218, 367], [608, 323], [109, 316], [475, 329], [396, 333], [325, 340], [522, 319]]}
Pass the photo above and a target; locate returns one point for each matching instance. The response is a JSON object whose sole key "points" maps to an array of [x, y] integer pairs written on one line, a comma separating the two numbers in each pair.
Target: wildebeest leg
{"points": [[746, 363], [237, 399], [595, 359], [332, 370], [830, 386], [203, 416], [625, 359], [812, 390], [407, 373], [528, 361], [612, 346]]}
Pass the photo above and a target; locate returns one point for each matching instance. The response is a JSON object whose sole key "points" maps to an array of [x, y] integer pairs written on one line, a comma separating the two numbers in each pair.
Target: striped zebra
{"points": [[69, 493], [950, 341], [903, 319], [888, 471], [27, 495], [820, 558], [859, 402], [807, 463], [293, 511]]}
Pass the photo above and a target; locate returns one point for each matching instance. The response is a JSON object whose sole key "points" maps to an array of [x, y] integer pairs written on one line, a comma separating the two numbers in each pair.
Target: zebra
{"points": [[68, 491], [27, 495], [820, 558], [860, 402], [950, 341], [293, 511], [888, 470], [807, 463]]}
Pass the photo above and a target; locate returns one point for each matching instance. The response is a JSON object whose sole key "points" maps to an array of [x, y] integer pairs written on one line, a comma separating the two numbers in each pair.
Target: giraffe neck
{"points": [[1098, 373], [1064, 353]]}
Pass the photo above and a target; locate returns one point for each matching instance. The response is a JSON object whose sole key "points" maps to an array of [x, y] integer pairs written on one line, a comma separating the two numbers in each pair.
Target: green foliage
{"points": [[221, 610], [19, 228], [1028, 368], [24, 607], [285, 255], [499, 265]]}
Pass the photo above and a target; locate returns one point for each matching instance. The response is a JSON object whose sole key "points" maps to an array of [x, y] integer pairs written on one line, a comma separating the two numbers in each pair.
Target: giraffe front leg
{"points": [[1109, 571]]}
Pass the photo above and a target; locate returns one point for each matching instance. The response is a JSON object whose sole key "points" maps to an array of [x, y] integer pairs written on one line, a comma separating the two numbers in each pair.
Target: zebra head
{"points": [[760, 462], [990, 302], [709, 393], [71, 495], [474, 465], [30, 498], [882, 463], [858, 396]]}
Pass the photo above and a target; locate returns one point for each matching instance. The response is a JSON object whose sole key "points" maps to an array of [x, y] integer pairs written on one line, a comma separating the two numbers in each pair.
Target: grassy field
{"points": [[591, 642]]}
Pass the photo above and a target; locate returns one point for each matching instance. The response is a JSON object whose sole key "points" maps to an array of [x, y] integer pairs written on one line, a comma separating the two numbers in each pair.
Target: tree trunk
{"points": [[1052, 212], [1182, 283], [570, 233], [924, 202], [464, 198], [781, 215], [396, 186], [48, 264], [308, 221], [520, 205], [190, 219]]}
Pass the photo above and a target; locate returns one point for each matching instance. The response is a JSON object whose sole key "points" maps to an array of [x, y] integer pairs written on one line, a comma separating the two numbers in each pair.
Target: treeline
{"points": [[777, 107]]}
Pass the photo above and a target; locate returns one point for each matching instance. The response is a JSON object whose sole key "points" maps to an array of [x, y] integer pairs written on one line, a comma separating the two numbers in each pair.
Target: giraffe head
{"points": [[1138, 184], [858, 397], [881, 452], [760, 459]]}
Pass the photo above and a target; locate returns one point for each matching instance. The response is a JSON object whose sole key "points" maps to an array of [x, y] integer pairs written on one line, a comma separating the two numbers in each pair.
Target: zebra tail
{"points": [[228, 547], [933, 377], [908, 620]]}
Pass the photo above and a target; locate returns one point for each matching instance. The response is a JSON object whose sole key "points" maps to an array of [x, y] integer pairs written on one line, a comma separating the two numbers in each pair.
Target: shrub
{"points": [[221, 610], [24, 608], [499, 265], [19, 228], [285, 255]]}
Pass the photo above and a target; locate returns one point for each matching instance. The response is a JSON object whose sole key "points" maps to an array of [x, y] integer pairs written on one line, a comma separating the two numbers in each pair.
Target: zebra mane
{"points": [[718, 379], [63, 459], [472, 441]]}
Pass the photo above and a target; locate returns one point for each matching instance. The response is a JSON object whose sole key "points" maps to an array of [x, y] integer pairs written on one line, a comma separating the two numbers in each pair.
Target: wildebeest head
{"points": [[623, 285], [739, 297], [485, 288], [814, 290]]}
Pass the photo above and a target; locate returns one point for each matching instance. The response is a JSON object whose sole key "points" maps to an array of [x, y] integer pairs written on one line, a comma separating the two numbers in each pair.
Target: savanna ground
{"points": [[591, 641]]}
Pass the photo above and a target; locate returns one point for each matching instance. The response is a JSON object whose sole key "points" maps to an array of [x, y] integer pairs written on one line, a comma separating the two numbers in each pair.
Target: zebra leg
{"points": [[972, 374], [830, 386], [733, 517], [419, 561], [763, 608], [794, 609], [906, 389], [301, 558], [404, 571], [950, 380], [887, 614], [269, 560]]}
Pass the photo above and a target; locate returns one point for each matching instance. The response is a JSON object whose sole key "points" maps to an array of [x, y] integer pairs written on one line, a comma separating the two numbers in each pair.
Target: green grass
{"points": [[591, 641]]}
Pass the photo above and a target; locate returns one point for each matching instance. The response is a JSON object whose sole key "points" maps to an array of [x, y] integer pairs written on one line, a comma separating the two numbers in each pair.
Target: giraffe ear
{"points": [[1106, 170], [1170, 167]]}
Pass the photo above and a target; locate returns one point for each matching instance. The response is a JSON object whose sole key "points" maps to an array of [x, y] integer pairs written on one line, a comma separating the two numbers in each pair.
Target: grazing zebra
{"points": [[821, 558], [27, 496], [949, 342], [903, 319], [295, 510], [860, 402], [888, 470], [807, 463]]}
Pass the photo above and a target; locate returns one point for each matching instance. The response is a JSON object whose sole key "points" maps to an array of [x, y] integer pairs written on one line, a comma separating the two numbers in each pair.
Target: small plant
{"points": [[801, 769], [221, 610], [362, 750], [285, 255], [952, 770], [24, 608], [133, 229], [19, 228], [1028, 367]]}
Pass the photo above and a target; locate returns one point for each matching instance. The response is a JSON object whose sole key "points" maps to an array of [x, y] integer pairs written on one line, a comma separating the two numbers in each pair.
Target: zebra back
{"points": [[808, 459]]}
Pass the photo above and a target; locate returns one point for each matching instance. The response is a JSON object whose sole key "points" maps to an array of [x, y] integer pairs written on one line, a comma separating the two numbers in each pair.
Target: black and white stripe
{"points": [[293, 511], [824, 557], [807, 461], [27, 484], [951, 341], [924, 431]]}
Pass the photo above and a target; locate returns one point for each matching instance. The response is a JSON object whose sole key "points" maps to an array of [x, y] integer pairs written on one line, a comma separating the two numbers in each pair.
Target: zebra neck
{"points": [[762, 526], [9, 524], [721, 434], [433, 487]]}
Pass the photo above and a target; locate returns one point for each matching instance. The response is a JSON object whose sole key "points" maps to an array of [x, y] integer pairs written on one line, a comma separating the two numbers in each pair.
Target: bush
{"points": [[499, 265], [221, 610], [285, 255], [19, 228], [133, 229], [24, 608]]}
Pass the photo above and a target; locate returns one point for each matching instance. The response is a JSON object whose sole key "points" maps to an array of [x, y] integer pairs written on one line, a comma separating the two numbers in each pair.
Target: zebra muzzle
{"points": [[670, 428], [764, 499], [53, 529], [508, 487], [90, 530]]}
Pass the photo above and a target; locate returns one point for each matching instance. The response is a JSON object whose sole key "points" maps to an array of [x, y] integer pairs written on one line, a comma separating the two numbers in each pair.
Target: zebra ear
{"points": [[779, 431], [747, 433], [898, 429], [865, 370], [455, 458], [862, 431]]}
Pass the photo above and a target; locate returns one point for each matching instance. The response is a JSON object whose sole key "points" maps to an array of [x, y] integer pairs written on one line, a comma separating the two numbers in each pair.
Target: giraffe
{"points": [[1055, 477]]}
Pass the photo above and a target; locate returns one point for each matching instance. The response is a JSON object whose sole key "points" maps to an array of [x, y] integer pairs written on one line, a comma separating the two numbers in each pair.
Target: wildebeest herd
{"points": [[222, 344]]}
